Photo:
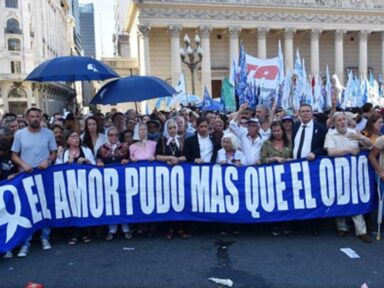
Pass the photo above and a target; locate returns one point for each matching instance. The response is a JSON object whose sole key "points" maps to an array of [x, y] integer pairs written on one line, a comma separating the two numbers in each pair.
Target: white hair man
{"points": [[339, 142]]}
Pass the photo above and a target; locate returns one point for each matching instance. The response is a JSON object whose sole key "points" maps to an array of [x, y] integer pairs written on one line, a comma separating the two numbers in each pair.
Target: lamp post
{"points": [[195, 55]]}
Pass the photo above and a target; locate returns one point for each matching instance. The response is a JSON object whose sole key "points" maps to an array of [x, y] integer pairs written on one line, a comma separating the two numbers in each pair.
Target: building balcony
{"points": [[12, 30]]}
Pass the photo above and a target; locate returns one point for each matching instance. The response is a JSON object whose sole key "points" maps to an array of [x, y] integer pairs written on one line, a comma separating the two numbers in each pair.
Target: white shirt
{"points": [[250, 147], [87, 155], [265, 134], [101, 140], [335, 140], [206, 148], [361, 125], [238, 155], [307, 140]]}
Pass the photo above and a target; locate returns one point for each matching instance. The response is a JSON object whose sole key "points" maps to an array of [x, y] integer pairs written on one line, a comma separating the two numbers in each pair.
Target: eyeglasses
{"points": [[172, 127], [112, 135]]}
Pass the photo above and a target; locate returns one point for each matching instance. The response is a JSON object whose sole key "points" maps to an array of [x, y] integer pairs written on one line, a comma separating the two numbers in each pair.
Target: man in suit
{"points": [[201, 147], [308, 142], [308, 135]]}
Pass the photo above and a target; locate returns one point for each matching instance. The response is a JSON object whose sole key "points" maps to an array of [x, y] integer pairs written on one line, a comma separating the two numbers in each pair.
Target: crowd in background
{"points": [[249, 136]]}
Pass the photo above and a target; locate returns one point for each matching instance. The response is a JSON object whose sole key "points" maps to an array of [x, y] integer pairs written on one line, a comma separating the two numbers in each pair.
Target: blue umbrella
{"points": [[70, 69], [132, 89]]}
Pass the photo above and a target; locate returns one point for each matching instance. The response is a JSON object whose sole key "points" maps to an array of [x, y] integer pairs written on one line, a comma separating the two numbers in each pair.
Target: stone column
{"points": [[234, 32], [206, 73], [363, 52], [262, 42], [339, 54], [288, 48], [174, 31], [144, 49], [382, 53], [315, 55]]}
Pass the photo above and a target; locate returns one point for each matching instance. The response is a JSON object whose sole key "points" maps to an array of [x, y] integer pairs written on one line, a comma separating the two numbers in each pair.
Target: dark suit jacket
{"points": [[192, 148], [318, 137]]}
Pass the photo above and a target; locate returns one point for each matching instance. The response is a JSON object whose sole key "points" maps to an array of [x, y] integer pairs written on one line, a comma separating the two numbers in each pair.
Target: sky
{"points": [[104, 26]]}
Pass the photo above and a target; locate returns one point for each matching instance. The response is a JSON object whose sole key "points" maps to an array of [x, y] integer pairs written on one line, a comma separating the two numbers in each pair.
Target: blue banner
{"points": [[85, 195]]}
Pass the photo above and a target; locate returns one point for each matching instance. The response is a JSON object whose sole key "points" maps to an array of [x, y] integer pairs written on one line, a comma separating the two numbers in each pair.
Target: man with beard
{"points": [[34, 147]]}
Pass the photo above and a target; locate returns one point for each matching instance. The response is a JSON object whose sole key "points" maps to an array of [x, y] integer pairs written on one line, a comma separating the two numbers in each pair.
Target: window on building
{"points": [[15, 67], [13, 44], [11, 4], [13, 26]]}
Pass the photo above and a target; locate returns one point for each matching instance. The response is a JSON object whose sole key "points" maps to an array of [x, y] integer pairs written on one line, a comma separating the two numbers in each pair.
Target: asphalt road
{"points": [[253, 258]]}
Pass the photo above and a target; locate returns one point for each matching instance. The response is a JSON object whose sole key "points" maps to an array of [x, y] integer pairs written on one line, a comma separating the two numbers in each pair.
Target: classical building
{"points": [[30, 33], [343, 34]]}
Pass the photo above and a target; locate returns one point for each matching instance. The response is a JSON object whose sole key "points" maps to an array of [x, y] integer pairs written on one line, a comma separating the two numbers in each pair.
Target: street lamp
{"points": [[192, 59]]}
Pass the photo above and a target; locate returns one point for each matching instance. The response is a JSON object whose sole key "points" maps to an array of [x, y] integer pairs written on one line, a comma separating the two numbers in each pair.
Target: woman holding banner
{"points": [[114, 152], [230, 154], [76, 154], [169, 149], [143, 149], [277, 149]]}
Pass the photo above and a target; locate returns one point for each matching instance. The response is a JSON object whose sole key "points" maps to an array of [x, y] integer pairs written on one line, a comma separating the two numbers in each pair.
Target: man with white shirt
{"points": [[250, 138], [308, 136], [339, 142], [201, 147], [308, 142]]}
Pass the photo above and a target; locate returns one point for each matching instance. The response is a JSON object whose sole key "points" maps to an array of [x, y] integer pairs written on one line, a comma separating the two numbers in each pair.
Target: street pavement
{"points": [[253, 258]]}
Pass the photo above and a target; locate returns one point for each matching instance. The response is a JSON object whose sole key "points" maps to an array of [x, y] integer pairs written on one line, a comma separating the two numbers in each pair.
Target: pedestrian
{"points": [[34, 147], [339, 142], [114, 152]]}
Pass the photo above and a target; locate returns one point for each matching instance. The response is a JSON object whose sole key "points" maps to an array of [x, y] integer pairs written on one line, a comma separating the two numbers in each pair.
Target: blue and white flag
{"points": [[242, 82]]}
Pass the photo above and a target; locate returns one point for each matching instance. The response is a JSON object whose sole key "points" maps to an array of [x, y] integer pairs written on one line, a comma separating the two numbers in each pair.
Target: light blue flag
{"points": [[348, 92], [286, 100], [319, 99], [328, 89], [298, 68], [158, 102]]}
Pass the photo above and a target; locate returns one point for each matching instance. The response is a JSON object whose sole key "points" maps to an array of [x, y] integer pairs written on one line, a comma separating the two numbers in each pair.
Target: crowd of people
{"points": [[249, 136]]}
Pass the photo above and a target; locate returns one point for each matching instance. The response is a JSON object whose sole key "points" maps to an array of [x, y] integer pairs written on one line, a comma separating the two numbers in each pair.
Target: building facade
{"points": [[87, 28], [343, 34], [31, 32], [74, 27]]}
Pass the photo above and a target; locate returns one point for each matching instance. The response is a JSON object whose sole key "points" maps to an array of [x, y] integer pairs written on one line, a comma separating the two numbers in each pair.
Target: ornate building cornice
{"points": [[330, 4], [240, 15]]}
